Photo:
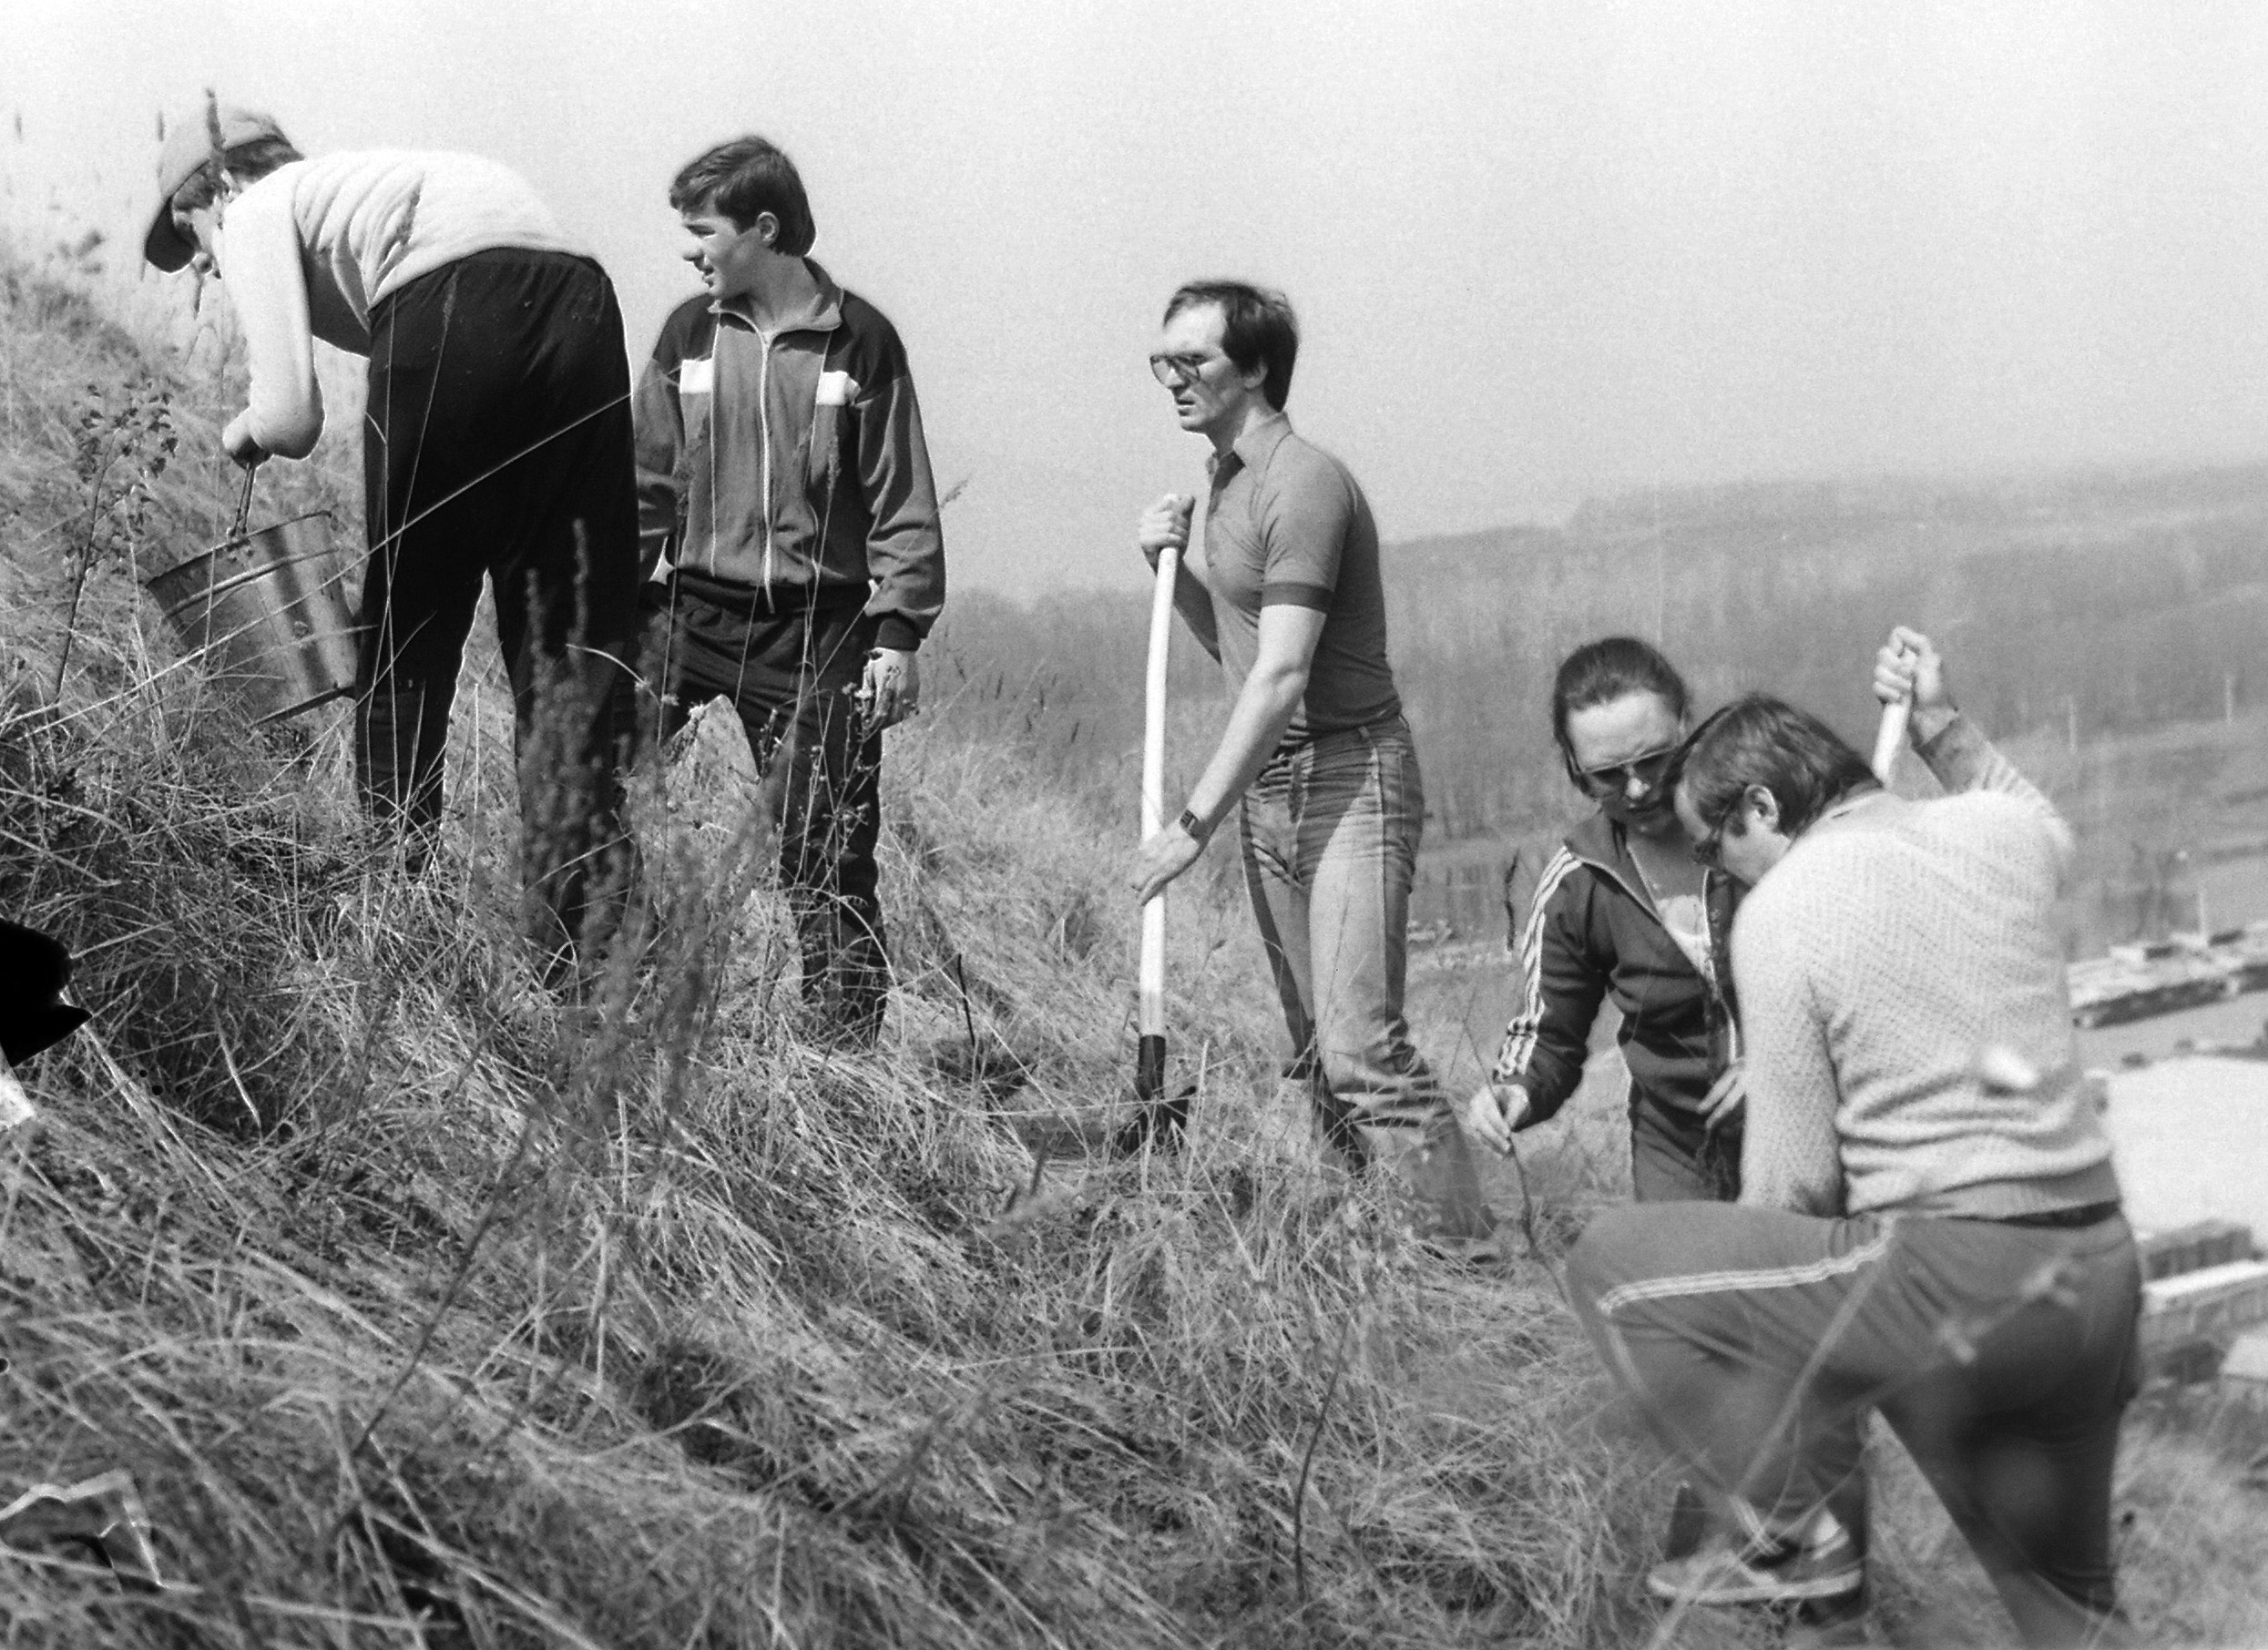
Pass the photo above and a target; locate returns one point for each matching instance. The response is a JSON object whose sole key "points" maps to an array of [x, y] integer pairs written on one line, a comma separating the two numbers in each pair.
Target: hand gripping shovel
{"points": [[1890, 736], [1156, 1118]]}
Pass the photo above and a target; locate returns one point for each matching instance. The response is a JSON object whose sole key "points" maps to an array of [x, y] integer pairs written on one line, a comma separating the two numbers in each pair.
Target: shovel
{"points": [[1890, 736], [1154, 1115]]}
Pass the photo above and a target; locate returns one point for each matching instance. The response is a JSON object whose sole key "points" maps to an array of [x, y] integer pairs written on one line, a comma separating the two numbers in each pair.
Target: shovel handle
{"points": [[1150, 1016], [1889, 737], [244, 504]]}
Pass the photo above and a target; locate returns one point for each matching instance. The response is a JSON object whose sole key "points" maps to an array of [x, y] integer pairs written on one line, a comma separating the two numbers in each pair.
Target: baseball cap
{"points": [[189, 143]]}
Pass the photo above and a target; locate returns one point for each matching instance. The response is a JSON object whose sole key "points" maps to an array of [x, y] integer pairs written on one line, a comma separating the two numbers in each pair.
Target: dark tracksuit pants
{"points": [[1675, 1157], [497, 441], [791, 673], [2001, 1354]]}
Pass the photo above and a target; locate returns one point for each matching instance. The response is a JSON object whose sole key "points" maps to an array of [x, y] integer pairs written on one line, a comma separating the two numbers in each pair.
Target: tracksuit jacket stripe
{"points": [[1521, 1031]]}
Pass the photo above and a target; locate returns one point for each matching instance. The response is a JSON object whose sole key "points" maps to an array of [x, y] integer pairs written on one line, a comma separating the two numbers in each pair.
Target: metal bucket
{"points": [[265, 614]]}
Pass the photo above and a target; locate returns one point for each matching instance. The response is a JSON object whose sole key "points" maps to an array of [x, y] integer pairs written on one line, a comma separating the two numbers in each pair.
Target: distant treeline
{"points": [[2090, 604]]}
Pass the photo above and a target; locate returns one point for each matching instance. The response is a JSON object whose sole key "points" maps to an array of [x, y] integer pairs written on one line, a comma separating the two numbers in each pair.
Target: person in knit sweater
{"points": [[1928, 1222], [496, 440]]}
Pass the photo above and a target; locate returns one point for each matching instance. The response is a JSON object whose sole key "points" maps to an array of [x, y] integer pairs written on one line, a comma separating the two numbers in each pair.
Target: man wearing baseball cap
{"points": [[497, 439]]}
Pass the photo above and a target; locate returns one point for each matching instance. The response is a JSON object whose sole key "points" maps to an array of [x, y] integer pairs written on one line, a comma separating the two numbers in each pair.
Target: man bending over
{"points": [[1928, 1221]]}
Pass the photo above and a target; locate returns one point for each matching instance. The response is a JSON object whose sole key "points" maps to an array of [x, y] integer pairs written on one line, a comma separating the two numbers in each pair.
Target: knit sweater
{"points": [[310, 249], [1893, 943]]}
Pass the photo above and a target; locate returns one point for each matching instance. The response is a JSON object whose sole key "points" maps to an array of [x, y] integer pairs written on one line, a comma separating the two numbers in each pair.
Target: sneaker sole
{"points": [[1759, 1592]]}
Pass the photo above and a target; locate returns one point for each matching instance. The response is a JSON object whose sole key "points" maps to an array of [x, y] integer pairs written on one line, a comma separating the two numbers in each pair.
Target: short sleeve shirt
{"points": [[1288, 524]]}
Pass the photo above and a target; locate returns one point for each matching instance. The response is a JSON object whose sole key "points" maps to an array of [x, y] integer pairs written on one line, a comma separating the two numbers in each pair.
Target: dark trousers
{"points": [[497, 443], [2001, 1355], [1676, 1159], [791, 676]]}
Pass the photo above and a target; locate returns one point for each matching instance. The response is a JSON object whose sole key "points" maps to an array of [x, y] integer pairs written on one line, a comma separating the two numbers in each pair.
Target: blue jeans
{"points": [[1329, 832]]}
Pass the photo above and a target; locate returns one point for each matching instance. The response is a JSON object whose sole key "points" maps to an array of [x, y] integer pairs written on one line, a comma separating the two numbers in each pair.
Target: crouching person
{"points": [[1928, 1222]]}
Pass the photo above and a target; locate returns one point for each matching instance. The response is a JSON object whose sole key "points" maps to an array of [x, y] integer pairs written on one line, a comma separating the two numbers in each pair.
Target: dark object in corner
{"points": [[34, 968], [99, 1520]]}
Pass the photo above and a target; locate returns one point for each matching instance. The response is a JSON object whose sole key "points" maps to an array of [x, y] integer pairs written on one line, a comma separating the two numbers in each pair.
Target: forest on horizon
{"points": [[2097, 603]]}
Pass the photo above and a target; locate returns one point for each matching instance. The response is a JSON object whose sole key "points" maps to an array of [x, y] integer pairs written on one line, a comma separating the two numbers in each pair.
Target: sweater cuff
{"points": [[1957, 755], [898, 633]]}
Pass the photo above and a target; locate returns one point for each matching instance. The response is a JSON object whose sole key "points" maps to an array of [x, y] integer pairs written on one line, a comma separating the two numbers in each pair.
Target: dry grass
{"points": [[428, 1309]]}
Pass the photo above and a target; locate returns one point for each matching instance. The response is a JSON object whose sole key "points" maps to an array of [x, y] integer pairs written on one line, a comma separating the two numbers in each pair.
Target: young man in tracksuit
{"points": [[786, 505]]}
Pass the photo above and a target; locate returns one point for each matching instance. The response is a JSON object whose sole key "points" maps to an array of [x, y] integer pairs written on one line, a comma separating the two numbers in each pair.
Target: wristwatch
{"points": [[1195, 827]]}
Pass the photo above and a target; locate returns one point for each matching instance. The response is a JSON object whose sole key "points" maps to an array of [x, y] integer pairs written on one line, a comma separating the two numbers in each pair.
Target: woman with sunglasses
{"points": [[1624, 909], [1628, 909]]}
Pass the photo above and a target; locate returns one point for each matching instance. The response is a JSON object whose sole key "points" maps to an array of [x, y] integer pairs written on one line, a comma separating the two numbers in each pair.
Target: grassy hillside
{"points": [[428, 1309]]}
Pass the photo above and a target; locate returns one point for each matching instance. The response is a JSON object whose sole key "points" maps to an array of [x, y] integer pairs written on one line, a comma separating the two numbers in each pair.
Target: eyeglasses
{"points": [[1616, 777], [1709, 852], [1174, 370]]}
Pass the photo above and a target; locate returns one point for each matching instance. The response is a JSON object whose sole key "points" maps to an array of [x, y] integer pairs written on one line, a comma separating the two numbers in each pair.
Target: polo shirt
{"points": [[1287, 524]]}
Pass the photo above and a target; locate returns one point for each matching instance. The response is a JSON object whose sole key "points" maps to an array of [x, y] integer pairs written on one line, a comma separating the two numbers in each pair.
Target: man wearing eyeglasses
{"points": [[1316, 760]]}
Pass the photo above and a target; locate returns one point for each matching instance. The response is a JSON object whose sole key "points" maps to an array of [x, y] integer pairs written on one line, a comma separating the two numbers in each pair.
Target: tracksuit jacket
{"points": [[792, 465], [1593, 932]]}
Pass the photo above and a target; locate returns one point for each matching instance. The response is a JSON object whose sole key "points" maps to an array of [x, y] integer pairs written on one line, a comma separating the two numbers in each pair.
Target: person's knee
{"points": [[1608, 1253]]}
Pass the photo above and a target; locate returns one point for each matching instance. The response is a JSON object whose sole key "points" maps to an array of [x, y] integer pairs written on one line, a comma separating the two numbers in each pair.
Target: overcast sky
{"points": [[1539, 251]]}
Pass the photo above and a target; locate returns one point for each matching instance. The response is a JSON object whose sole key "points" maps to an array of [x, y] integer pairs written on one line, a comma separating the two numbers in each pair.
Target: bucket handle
{"points": [[244, 504]]}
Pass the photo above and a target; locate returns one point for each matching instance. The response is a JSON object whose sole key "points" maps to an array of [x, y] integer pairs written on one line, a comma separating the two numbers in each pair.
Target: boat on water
{"points": [[2142, 978]]}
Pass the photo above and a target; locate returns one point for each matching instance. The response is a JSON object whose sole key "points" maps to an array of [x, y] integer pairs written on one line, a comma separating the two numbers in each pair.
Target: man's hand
{"points": [[891, 690], [1908, 665], [1163, 856], [236, 440], [1492, 1113], [1165, 523], [1725, 1097]]}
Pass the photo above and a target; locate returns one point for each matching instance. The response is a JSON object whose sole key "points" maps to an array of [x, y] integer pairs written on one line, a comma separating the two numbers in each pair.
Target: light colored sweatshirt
{"points": [[307, 251], [1894, 943]]}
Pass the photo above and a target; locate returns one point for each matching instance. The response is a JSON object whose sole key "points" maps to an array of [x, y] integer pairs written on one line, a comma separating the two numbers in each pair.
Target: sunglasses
{"points": [[1174, 370], [1616, 777]]}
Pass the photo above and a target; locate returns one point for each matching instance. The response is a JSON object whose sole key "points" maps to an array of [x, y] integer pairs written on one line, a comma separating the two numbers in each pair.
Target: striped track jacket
{"points": [[794, 464], [1593, 932]]}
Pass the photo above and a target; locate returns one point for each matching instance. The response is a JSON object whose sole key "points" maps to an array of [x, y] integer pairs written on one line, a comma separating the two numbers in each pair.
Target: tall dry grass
{"points": [[429, 1307]]}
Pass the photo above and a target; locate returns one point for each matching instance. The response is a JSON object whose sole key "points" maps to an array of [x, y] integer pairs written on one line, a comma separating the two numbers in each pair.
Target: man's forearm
{"points": [[1263, 711], [1960, 758], [284, 414]]}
